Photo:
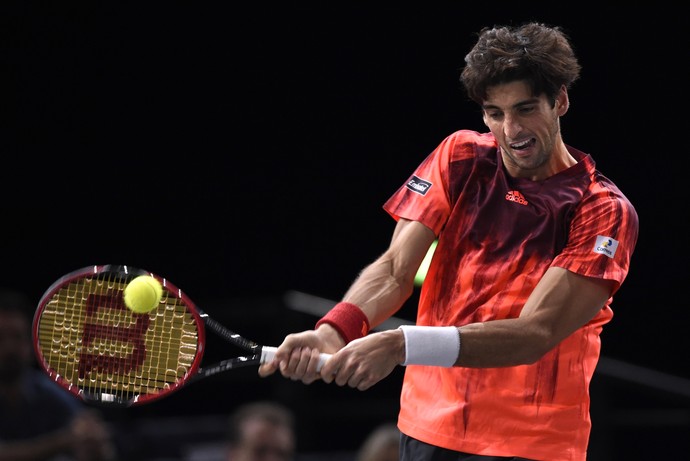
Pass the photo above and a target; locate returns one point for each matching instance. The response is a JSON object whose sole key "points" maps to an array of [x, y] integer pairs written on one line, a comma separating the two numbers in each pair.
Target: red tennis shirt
{"points": [[497, 235]]}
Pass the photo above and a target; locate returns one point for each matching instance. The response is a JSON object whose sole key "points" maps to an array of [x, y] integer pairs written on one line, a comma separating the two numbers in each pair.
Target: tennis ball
{"points": [[143, 294]]}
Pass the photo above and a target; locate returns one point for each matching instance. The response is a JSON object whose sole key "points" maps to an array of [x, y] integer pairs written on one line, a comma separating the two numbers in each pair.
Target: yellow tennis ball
{"points": [[143, 294]]}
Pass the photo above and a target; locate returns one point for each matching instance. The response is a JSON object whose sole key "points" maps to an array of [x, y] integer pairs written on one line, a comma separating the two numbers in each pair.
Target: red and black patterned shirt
{"points": [[497, 236]]}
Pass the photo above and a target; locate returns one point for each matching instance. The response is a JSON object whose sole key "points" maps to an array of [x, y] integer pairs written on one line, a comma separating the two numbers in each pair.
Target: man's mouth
{"points": [[522, 145]]}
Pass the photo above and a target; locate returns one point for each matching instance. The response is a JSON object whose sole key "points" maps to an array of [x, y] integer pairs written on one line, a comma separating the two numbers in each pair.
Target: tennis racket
{"points": [[90, 343]]}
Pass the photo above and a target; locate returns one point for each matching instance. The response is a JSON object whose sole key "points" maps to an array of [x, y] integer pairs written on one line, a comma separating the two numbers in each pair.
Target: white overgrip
{"points": [[269, 352]]}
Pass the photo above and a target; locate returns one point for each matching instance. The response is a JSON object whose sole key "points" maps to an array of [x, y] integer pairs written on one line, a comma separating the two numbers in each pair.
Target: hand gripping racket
{"points": [[90, 343]]}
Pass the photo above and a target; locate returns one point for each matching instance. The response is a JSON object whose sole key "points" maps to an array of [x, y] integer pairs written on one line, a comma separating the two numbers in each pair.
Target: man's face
{"points": [[526, 126], [264, 441]]}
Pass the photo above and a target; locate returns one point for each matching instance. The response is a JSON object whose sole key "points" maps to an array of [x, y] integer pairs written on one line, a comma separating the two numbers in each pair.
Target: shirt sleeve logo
{"points": [[418, 185], [605, 246]]}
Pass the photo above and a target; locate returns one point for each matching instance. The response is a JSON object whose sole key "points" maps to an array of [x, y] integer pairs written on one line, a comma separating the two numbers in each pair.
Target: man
{"points": [[261, 431], [533, 242], [382, 444], [38, 420]]}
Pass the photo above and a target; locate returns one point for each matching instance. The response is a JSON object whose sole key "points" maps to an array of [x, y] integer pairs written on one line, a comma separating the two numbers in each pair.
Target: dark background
{"points": [[245, 151]]}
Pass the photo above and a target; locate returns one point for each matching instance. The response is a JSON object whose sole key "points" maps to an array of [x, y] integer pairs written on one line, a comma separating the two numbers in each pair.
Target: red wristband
{"points": [[348, 320]]}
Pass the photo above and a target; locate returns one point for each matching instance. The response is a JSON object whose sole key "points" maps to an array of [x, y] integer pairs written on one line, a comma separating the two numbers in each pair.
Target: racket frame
{"points": [[257, 353]]}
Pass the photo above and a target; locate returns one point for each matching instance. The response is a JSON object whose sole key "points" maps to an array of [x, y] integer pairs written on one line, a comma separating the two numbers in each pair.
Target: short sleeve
{"points": [[603, 235]]}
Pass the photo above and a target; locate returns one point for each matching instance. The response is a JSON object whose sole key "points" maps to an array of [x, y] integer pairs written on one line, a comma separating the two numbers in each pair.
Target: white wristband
{"points": [[437, 346]]}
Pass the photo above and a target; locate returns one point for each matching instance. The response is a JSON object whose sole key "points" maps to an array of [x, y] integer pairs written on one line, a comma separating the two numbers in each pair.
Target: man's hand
{"points": [[298, 357], [366, 361]]}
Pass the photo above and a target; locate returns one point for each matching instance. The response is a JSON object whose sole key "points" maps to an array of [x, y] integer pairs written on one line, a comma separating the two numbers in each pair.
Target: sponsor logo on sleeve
{"points": [[605, 246], [418, 185]]}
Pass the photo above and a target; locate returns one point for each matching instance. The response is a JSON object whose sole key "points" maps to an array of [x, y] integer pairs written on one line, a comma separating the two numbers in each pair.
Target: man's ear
{"points": [[562, 101]]}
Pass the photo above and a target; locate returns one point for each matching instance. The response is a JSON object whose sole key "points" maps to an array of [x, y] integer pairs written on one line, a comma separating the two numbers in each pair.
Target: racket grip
{"points": [[268, 352]]}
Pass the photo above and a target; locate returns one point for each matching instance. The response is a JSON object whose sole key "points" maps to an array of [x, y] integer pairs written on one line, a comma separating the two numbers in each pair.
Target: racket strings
{"points": [[91, 340]]}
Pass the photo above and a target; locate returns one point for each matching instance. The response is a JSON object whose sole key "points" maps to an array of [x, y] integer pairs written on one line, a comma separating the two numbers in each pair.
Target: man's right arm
{"points": [[379, 291]]}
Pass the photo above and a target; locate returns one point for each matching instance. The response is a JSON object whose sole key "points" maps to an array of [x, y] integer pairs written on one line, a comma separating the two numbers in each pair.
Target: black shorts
{"points": [[414, 450]]}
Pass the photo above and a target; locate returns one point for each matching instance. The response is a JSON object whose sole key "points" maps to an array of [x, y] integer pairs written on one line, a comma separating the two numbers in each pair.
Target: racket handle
{"points": [[268, 352]]}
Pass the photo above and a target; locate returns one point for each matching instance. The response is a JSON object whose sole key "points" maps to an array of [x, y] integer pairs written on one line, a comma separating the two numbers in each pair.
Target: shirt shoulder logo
{"points": [[605, 246], [418, 185], [517, 197]]}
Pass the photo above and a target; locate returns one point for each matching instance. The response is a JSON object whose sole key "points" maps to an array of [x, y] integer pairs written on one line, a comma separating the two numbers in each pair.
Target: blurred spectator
{"points": [[261, 431], [39, 421], [382, 444]]}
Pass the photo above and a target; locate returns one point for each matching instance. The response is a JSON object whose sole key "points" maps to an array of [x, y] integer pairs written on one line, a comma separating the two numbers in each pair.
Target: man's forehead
{"points": [[510, 94]]}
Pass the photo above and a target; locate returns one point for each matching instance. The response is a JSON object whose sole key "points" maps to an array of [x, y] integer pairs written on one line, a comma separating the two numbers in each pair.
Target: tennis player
{"points": [[533, 243]]}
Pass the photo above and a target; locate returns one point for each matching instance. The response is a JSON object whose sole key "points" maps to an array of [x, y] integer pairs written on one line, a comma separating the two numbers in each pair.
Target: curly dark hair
{"points": [[538, 54]]}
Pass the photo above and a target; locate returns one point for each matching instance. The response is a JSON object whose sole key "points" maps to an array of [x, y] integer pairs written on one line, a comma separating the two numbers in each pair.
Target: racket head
{"points": [[90, 343]]}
